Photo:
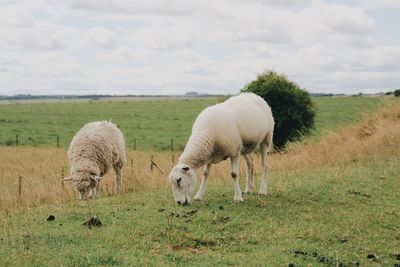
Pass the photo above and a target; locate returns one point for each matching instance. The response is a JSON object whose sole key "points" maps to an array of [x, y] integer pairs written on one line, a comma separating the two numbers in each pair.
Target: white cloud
{"points": [[99, 36], [15, 15], [170, 47], [373, 4]]}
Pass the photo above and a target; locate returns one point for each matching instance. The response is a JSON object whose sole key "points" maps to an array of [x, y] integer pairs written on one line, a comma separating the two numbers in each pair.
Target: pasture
{"points": [[333, 199], [151, 123]]}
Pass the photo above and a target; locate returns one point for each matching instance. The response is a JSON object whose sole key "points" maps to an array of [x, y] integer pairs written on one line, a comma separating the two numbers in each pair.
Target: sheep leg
{"points": [[264, 167], [249, 175], [235, 171], [199, 195], [118, 179], [96, 190]]}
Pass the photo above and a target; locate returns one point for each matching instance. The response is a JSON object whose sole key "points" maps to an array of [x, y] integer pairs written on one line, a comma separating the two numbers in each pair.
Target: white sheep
{"points": [[226, 130], [95, 148]]}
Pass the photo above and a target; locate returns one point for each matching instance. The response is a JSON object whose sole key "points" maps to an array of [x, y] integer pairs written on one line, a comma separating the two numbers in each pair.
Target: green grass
{"points": [[153, 123], [322, 217], [335, 112]]}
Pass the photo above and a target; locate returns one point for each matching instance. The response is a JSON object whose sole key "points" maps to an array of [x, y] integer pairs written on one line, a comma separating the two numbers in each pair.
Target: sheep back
{"points": [[96, 147], [240, 123]]}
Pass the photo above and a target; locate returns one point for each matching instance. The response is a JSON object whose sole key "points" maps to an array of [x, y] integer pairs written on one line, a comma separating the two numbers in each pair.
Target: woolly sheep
{"points": [[226, 130], [93, 150]]}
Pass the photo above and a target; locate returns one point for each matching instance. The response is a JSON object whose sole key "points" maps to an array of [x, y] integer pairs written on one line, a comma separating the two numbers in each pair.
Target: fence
{"points": [[57, 143], [154, 169]]}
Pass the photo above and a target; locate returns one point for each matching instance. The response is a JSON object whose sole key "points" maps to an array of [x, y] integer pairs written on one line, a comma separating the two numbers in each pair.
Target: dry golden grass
{"points": [[377, 134]]}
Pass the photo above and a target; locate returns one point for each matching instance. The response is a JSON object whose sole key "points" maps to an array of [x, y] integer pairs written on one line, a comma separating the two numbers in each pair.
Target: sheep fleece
{"points": [[97, 147]]}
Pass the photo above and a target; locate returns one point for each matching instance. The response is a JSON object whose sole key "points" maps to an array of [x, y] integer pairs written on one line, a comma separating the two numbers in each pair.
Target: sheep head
{"points": [[183, 181], [85, 182]]}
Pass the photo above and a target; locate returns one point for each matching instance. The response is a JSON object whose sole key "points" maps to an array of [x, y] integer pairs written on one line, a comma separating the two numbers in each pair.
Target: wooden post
{"points": [[132, 163], [16, 140], [153, 164], [173, 160], [62, 176], [134, 143], [20, 186], [172, 144], [58, 141]]}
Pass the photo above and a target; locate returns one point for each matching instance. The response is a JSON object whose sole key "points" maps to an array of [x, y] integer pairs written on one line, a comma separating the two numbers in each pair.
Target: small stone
{"points": [[51, 218]]}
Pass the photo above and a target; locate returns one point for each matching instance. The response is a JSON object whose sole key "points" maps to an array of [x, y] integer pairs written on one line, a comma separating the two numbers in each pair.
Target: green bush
{"points": [[397, 92], [291, 106]]}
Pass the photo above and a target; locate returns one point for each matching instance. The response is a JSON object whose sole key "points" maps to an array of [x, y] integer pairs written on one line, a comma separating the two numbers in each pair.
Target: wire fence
{"points": [[133, 144]]}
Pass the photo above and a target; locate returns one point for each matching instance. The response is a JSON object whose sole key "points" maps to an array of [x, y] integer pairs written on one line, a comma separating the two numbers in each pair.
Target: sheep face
{"points": [[85, 183], [183, 181]]}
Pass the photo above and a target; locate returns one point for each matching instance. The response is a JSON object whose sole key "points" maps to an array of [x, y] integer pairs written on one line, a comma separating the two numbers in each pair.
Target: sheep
{"points": [[93, 150], [226, 130]]}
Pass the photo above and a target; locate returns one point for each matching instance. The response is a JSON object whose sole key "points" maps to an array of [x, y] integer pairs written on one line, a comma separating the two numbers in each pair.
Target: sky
{"points": [[215, 47]]}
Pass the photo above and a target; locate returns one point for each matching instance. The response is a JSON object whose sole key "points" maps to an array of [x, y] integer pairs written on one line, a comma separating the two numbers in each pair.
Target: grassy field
{"points": [[331, 216], [153, 123], [333, 201]]}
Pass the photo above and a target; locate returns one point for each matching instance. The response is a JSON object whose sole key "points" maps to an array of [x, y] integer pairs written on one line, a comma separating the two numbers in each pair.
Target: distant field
{"points": [[335, 112], [152, 123]]}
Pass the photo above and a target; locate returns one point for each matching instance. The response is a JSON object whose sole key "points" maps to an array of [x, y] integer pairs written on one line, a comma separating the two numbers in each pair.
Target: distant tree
{"points": [[291, 106], [396, 92]]}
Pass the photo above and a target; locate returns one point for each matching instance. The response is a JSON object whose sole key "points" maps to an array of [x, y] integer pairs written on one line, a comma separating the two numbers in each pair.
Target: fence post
{"points": [[16, 140], [132, 163], [151, 163], [62, 177], [172, 144], [173, 160], [58, 141], [20, 186], [134, 143]]}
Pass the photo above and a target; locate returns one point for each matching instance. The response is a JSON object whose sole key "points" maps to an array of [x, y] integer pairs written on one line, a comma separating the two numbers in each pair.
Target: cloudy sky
{"points": [[176, 46]]}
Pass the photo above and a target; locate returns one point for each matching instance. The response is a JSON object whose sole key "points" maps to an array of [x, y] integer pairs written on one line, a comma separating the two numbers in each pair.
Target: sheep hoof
{"points": [[238, 199], [198, 198], [248, 191], [262, 193]]}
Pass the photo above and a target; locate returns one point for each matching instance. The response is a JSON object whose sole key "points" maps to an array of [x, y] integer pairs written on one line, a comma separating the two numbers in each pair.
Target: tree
{"points": [[291, 106], [397, 92]]}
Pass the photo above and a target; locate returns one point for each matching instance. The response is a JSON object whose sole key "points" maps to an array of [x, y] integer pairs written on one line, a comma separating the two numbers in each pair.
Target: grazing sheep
{"points": [[93, 150], [226, 130]]}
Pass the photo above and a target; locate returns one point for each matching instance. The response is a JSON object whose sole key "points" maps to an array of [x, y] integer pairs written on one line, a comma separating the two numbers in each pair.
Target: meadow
{"points": [[334, 200], [151, 124]]}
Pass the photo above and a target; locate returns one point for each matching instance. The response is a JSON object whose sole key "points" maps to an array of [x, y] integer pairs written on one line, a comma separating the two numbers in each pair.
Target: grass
{"points": [[327, 217], [336, 112], [152, 123], [376, 134], [332, 201]]}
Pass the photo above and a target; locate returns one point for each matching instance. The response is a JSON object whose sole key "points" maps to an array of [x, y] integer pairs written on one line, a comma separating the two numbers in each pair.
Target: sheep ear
{"points": [[185, 168], [69, 178]]}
